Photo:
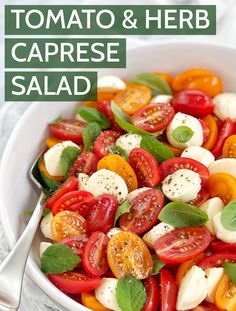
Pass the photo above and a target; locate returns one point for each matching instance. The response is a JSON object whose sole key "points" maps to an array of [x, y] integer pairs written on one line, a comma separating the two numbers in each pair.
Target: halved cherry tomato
{"points": [[102, 215], [168, 291], [193, 102], [68, 130], [205, 306], [128, 255], [182, 244], [185, 266], [90, 301], [120, 166], [86, 163], [70, 184], [177, 152], [222, 185], [154, 117], [95, 254], [76, 243], [104, 106], [42, 169], [227, 129], [67, 223], [145, 167], [79, 201], [153, 293], [198, 79], [144, 211], [225, 298], [220, 246], [72, 282], [212, 125], [216, 260], [51, 141], [105, 95], [202, 196], [205, 129], [229, 148], [166, 76], [172, 165], [133, 98], [104, 141]]}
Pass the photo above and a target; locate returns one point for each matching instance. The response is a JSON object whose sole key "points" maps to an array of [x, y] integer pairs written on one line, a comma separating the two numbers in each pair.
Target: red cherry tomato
{"points": [[168, 291], [202, 196], [193, 102], [145, 167], [86, 163], [154, 117], [70, 184], [220, 246], [182, 244], [80, 201], [144, 211], [102, 215], [72, 282], [205, 306], [68, 130], [153, 293], [206, 130], [76, 243], [216, 260], [104, 106], [227, 129], [104, 141], [172, 165], [95, 254]]}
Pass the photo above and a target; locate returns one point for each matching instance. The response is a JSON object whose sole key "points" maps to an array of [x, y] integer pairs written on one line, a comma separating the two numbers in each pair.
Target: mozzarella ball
{"points": [[222, 233], [128, 142], [199, 154], [225, 104]]}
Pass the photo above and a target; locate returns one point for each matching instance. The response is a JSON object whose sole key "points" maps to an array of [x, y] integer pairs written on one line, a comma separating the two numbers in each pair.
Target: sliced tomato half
{"points": [[86, 164], [68, 130], [168, 290], [104, 141], [216, 260], [152, 291], [220, 246]]}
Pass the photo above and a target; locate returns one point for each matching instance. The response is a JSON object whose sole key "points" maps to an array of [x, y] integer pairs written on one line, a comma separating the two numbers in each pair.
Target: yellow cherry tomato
{"points": [[225, 297], [42, 169], [229, 149], [212, 125], [90, 301], [52, 141]]}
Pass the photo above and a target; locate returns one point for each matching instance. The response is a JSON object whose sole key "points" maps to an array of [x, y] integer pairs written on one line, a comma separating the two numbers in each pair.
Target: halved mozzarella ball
{"points": [[163, 99], [211, 207], [182, 119], [156, 232], [110, 84], [214, 276], [42, 247], [105, 293], [46, 226], [82, 181], [53, 155], [113, 232], [192, 290], [223, 166], [128, 142], [135, 193], [107, 182], [182, 185], [199, 154], [225, 106], [222, 233]]}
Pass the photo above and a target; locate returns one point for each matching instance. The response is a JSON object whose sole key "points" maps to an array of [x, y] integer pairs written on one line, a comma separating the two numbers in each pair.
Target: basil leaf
{"points": [[157, 84], [118, 150], [89, 134], [46, 212], [230, 269], [182, 134], [50, 183], [56, 121], [179, 214], [228, 216], [156, 148], [68, 157], [157, 265], [130, 294], [122, 209], [92, 115], [59, 258]]}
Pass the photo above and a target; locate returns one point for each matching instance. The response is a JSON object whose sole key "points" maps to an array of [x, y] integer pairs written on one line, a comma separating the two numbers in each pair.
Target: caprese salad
{"points": [[141, 196]]}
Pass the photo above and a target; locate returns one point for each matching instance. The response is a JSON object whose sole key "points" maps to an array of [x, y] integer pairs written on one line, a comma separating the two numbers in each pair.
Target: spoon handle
{"points": [[13, 267]]}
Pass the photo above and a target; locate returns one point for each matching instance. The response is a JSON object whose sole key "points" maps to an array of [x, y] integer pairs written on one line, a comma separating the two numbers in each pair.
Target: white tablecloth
{"points": [[33, 298]]}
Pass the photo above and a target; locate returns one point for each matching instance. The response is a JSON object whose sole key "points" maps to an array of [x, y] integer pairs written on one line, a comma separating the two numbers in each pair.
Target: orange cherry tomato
{"points": [[185, 266], [225, 297], [198, 79], [169, 79], [229, 149], [90, 301], [91, 104], [128, 254], [120, 166], [67, 223], [100, 96], [43, 170], [177, 152], [133, 98], [222, 185], [212, 125], [52, 141]]}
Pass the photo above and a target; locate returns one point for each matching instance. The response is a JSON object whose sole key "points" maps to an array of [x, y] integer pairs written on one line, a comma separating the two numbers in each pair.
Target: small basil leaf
{"points": [[157, 265], [68, 157], [92, 115], [182, 134], [122, 209], [89, 134], [228, 216], [230, 269], [56, 121], [118, 150], [50, 183]]}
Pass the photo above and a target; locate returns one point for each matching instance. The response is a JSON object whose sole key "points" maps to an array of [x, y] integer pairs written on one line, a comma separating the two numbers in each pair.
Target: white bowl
{"points": [[28, 138]]}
